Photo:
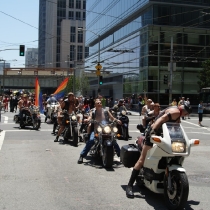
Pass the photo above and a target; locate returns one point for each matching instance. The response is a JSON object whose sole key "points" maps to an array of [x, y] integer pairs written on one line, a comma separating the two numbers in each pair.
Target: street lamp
{"points": [[99, 49]]}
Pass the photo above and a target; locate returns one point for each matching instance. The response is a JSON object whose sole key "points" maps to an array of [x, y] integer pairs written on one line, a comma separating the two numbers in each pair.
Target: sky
{"points": [[18, 26]]}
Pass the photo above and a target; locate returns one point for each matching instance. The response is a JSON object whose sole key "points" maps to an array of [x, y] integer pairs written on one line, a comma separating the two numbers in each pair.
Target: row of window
{"points": [[73, 35], [79, 4], [77, 15]]}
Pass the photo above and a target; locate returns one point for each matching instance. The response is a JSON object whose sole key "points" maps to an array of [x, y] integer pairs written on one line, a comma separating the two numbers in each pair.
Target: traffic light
{"points": [[22, 50], [100, 80], [165, 79]]}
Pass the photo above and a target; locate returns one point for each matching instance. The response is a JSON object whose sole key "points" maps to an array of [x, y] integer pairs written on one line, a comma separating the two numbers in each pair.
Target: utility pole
{"points": [[74, 77], [171, 72]]}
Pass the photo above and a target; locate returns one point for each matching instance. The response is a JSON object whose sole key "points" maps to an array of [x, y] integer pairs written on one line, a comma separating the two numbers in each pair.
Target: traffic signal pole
{"points": [[171, 72], [99, 48]]}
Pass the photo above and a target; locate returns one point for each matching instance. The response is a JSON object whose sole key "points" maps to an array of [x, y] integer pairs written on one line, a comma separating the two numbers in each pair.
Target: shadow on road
{"points": [[156, 200]]}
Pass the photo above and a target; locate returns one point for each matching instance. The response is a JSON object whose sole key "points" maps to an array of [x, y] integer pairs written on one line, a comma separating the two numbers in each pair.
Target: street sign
{"points": [[98, 67], [98, 72]]}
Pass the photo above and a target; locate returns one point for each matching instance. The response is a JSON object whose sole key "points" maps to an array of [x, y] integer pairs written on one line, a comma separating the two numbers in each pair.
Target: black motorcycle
{"points": [[105, 139], [123, 128], [70, 132], [31, 117]]}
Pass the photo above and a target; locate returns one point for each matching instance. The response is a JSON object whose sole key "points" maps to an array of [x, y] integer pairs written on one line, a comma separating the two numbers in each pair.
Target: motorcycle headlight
{"points": [[123, 112], [73, 117], [115, 129], [178, 147], [99, 129], [107, 129]]}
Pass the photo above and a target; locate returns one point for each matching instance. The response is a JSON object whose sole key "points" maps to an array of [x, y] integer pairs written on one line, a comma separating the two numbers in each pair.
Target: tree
{"points": [[204, 75], [81, 84]]}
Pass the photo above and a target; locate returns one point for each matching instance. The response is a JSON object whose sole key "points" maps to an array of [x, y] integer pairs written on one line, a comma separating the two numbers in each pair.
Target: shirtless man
{"points": [[69, 105], [23, 106]]}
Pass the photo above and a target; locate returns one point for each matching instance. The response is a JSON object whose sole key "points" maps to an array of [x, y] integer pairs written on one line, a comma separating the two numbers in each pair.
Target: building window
{"points": [[78, 16], [73, 34], [79, 53], [80, 36], [84, 16], [71, 3], [84, 4], [72, 52], [71, 15], [78, 4], [86, 52]]}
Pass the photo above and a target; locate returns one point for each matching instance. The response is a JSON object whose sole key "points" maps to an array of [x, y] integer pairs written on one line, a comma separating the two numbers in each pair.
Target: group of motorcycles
{"points": [[163, 170]]}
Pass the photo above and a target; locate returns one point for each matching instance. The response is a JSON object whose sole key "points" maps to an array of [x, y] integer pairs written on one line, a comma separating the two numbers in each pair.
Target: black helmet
{"points": [[188, 108]]}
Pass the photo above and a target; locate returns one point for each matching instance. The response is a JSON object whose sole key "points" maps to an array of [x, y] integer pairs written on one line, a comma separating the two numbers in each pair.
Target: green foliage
{"points": [[204, 75], [81, 84]]}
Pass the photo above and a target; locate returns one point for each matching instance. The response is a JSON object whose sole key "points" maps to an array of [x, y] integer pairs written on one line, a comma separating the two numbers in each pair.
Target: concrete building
{"points": [[31, 57], [7, 65], [135, 42], [60, 42]]}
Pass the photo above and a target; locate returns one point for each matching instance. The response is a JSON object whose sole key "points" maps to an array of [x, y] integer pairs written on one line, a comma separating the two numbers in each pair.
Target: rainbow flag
{"points": [[61, 90], [38, 96]]}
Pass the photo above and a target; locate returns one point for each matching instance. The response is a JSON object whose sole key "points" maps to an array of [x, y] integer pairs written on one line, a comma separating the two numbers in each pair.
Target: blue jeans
{"points": [[90, 143]]}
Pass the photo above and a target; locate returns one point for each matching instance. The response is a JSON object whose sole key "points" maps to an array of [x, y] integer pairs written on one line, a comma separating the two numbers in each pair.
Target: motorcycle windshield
{"points": [[175, 132]]}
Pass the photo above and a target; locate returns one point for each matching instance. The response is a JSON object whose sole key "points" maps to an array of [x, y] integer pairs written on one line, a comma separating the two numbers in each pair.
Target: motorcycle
{"points": [[50, 111], [31, 117], [163, 170], [84, 126], [71, 129], [123, 128], [105, 139]]}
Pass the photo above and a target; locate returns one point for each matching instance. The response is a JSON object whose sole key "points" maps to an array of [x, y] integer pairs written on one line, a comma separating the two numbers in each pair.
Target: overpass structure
{"points": [[24, 78]]}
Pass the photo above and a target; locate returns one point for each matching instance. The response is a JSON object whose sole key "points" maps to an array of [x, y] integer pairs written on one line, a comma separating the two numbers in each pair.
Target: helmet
{"points": [[187, 107], [121, 100]]}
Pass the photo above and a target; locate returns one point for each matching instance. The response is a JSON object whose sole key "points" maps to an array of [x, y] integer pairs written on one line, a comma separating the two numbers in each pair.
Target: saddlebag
{"points": [[129, 155]]}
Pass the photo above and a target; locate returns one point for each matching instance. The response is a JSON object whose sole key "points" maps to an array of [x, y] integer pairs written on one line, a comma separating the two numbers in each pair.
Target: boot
{"points": [[56, 139], [80, 161], [129, 188]]}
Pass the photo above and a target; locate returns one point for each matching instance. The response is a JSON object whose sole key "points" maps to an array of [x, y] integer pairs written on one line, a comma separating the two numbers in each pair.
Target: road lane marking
{"points": [[2, 135], [6, 119]]}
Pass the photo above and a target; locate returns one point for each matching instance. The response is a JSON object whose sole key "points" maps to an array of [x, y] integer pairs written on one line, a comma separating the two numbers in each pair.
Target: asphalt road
{"points": [[37, 173]]}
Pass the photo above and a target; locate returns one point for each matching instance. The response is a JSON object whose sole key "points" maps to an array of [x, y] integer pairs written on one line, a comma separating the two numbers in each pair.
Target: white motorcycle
{"points": [[163, 170], [50, 111]]}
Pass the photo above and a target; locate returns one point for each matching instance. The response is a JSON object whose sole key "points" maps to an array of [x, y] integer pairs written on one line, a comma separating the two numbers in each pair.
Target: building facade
{"points": [[2, 66], [135, 41], [63, 45], [31, 57]]}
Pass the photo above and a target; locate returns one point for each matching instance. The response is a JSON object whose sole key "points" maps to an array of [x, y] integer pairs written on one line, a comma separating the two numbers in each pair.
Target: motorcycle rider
{"points": [[57, 120], [68, 104], [23, 106], [50, 100], [145, 110], [119, 107], [170, 114], [100, 116]]}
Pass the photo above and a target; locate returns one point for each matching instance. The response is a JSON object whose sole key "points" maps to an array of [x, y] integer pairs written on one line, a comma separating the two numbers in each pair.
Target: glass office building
{"points": [[135, 42]]}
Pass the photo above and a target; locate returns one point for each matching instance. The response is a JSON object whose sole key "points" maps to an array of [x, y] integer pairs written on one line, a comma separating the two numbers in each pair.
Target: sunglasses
{"points": [[98, 103]]}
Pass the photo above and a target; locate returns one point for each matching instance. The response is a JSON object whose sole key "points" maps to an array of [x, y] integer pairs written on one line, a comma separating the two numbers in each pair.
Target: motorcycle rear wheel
{"points": [[75, 136], [177, 197], [107, 157]]}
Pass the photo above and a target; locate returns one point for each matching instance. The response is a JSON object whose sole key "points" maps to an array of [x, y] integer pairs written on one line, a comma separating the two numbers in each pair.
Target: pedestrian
{"points": [[188, 103], [200, 112], [141, 104], [182, 102], [173, 103]]}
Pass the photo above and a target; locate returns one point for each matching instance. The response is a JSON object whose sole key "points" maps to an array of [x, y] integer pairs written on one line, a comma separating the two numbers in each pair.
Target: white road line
{"points": [[21, 130], [6, 119], [2, 135]]}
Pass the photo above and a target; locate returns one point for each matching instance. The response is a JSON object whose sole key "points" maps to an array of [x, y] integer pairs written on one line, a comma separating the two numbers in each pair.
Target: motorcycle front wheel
{"points": [[75, 136], [176, 198], [107, 157], [36, 124]]}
